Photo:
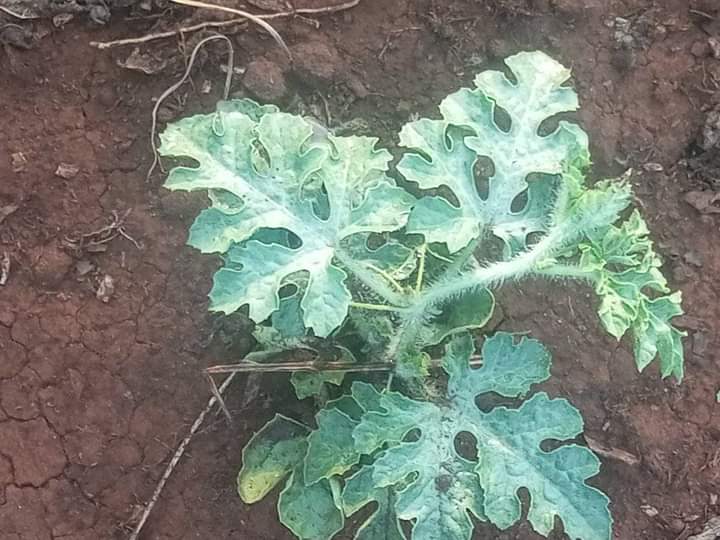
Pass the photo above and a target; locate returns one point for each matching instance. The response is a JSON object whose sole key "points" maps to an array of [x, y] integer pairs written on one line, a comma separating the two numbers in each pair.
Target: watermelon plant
{"points": [[329, 251]]}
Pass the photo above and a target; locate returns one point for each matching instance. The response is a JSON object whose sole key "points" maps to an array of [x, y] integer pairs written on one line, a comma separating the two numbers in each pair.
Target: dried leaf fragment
{"points": [[611, 452], [7, 211], [143, 62], [106, 289], [705, 202], [4, 268], [18, 162], [67, 171], [84, 267]]}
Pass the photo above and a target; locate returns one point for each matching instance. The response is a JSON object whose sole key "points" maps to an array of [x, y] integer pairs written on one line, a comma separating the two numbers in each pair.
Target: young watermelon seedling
{"points": [[330, 253]]}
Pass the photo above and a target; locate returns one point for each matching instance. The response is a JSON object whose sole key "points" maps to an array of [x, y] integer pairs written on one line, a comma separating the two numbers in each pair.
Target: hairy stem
{"points": [[462, 259], [377, 283], [416, 316], [567, 271], [487, 276]]}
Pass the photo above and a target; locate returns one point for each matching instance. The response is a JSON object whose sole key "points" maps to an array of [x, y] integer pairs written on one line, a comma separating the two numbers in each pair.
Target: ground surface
{"points": [[94, 395]]}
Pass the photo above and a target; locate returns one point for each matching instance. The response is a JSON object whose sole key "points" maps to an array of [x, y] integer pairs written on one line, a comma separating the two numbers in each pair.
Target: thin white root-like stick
{"points": [[21, 16], [221, 24], [249, 16], [177, 456], [169, 91], [167, 34]]}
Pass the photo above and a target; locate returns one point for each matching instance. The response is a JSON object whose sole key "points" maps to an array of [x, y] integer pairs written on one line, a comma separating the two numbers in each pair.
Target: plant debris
{"points": [[84, 267], [18, 162], [96, 241], [7, 211], [143, 62], [15, 35], [611, 452], [705, 202], [106, 289], [67, 171], [4, 268]]}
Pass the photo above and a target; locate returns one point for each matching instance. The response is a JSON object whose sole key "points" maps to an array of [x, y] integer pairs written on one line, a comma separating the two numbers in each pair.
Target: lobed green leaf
{"points": [[526, 166], [274, 170], [442, 489]]}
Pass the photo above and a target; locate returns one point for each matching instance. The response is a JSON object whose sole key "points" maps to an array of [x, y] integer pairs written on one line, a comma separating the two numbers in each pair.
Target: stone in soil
{"points": [[316, 63], [50, 264], [265, 81]]}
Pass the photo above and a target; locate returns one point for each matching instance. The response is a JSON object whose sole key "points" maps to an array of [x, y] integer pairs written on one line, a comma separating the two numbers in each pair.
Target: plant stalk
{"points": [[315, 366]]}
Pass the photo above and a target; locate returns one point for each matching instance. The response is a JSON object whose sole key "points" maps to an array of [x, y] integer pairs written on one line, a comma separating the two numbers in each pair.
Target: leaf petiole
{"points": [[391, 280], [437, 255]]}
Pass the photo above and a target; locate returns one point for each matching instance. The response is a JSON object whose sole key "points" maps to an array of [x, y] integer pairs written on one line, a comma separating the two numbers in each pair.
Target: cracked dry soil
{"points": [[95, 395]]}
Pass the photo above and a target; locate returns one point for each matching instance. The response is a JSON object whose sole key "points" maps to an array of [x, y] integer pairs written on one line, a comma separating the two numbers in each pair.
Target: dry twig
{"points": [[176, 457], [311, 366], [612, 453], [222, 24], [702, 14], [317, 366]]}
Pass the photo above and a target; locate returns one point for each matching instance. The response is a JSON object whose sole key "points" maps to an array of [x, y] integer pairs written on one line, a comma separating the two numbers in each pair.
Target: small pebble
{"points": [[265, 81], [677, 525]]}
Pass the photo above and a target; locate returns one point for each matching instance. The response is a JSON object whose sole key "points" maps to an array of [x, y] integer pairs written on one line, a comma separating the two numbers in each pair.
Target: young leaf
{"points": [[270, 456], [331, 447], [634, 293], [654, 335], [509, 367], [468, 311], [525, 164], [310, 510], [311, 384], [281, 174]]}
